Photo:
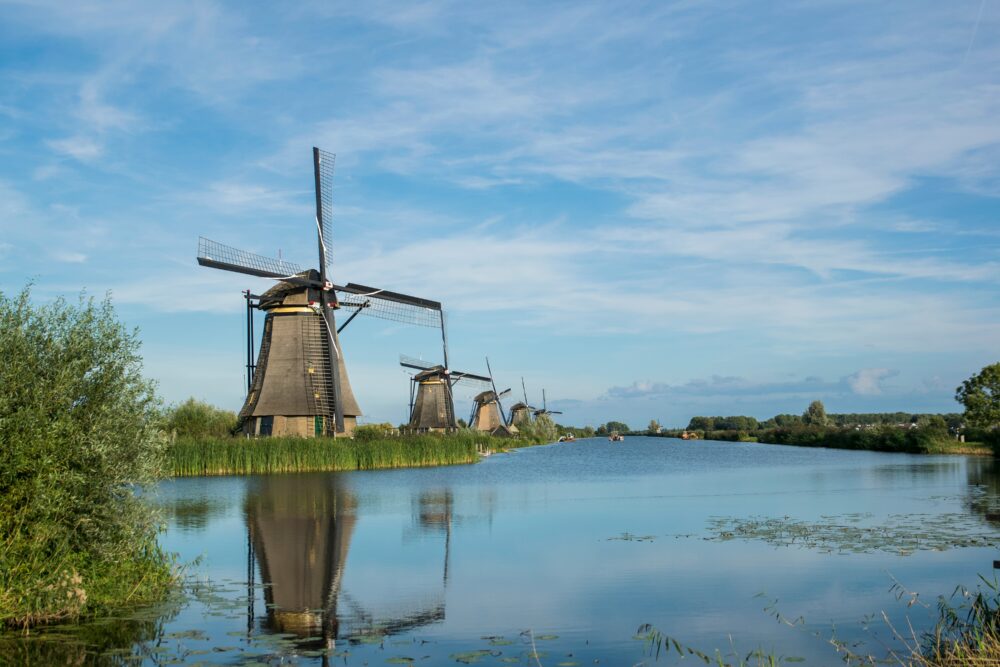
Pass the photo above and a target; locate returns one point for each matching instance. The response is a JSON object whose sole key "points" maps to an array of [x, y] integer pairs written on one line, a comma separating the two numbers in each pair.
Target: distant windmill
{"points": [[487, 412], [520, 412], [299, 384], [432, 403], [545, 408]]}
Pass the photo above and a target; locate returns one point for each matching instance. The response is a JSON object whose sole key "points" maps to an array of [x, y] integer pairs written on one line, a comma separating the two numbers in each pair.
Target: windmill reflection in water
{"points": [[300, 531]]}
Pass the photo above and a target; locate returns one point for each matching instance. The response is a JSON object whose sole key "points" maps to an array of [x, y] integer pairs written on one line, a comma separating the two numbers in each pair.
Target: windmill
{"points": [[487, 412], [545, 408], [299, 384], [432, 402], [520, 412]]}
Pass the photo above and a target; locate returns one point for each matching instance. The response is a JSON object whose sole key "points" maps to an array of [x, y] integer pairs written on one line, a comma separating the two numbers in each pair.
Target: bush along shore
{"points": [[953, 433], [881, 439], [79, 432]]}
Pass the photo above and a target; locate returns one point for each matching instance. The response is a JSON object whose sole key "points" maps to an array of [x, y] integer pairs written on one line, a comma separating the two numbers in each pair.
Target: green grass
{"points": [[252, 456]]}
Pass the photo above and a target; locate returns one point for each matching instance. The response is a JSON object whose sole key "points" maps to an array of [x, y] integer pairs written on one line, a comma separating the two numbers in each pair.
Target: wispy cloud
{"points": [[868, 381]]}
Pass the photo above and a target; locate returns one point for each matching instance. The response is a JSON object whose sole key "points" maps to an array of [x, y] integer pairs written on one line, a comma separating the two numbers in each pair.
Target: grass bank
{"points": [[243, 456], [881, 439]]}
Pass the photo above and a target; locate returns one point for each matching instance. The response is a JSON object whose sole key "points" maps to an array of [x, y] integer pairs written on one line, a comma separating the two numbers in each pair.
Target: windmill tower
{"points": [[432, 401], [520, 412], [299, 384], [487, 412]]}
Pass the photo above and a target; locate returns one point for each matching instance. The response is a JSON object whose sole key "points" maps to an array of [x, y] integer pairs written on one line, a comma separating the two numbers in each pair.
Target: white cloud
{"points": [[79, 147], [868, 381], [69, 257]]}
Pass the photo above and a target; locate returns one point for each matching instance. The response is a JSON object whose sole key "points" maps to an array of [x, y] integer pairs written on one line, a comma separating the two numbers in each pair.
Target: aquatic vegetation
{"points": [[965, 635], [901, 534], [630, 537], [250, 456], [245, 456]]}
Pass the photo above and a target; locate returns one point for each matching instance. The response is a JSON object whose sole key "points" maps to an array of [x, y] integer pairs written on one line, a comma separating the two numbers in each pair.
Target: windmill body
{"points": [[486, 414], [433, 407], [290, 393], [432, 402], [299, 384], [520, 413]]}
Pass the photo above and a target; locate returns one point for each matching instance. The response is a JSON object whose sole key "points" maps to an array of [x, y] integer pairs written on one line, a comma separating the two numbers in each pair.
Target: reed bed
{"points": [[253, 456]]}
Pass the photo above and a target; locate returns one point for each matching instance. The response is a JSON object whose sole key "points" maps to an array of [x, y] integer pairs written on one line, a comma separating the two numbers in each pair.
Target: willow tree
{"points": [[78, 436]]}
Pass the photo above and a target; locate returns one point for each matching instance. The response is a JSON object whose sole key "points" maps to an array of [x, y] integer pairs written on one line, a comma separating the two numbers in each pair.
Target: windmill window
{"points": [[266, 425]]}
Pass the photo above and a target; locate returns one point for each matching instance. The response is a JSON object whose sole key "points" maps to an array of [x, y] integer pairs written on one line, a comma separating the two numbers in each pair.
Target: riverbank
{"points": [[207, 456], [887, 439]]}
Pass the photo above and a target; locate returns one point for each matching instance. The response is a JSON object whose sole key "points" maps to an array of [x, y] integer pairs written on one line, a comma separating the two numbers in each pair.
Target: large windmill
{"points": [[487, 411], [432, 402], [299, 384], [520, 412]]}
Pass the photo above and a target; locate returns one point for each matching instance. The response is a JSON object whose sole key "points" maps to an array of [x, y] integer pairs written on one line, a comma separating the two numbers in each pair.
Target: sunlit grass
{"points": [[252, 456]]}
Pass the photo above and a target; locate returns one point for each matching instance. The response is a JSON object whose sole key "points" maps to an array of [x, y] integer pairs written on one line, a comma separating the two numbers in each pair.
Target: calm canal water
{"points": [[571, 547]]}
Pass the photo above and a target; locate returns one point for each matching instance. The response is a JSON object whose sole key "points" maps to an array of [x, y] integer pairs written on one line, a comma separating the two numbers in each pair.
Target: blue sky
{"points": [[653, 210]]}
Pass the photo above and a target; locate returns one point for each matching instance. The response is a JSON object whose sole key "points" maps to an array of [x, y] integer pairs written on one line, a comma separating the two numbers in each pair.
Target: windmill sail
{"points": [[324, 163], [227, 258], [392, 306]]}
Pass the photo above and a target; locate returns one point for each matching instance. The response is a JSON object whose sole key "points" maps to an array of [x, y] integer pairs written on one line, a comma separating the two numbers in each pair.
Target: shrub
{"points": [[194, 418], [78, 432]]}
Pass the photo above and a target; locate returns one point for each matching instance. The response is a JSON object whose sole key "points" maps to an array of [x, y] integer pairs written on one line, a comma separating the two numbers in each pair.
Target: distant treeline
{"points": [[954, 421]]}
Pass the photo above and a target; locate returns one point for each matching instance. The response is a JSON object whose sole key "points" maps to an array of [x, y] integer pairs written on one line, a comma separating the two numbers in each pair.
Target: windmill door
{"points": [[266, 424]]}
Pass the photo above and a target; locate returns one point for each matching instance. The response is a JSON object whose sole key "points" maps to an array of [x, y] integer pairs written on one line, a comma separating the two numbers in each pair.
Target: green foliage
{"points": [[815, 414], [654, 427], [621, 427], [734, 423], [193, 418], [540, 430], [980, 395], [78, 431], [576, 431], [369, 432], [252, 456], [786, 421], [881, 439]]}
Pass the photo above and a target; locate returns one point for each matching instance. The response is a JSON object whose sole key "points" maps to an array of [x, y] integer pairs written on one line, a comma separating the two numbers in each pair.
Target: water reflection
{"points": [[300, 534], [983, 496], [301, 530]]}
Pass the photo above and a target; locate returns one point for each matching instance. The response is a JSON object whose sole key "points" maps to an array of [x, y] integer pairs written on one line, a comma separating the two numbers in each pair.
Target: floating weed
{"points": [[902, 534], [470, 657], [400, 660], [631, 537], [499, 641], [546, 638]]}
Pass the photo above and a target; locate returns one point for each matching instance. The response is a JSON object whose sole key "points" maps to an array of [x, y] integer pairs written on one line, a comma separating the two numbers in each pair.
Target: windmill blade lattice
{"points": [[324, 193], [219, 256], [413, 362], [470, 381], [391, 306]]}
